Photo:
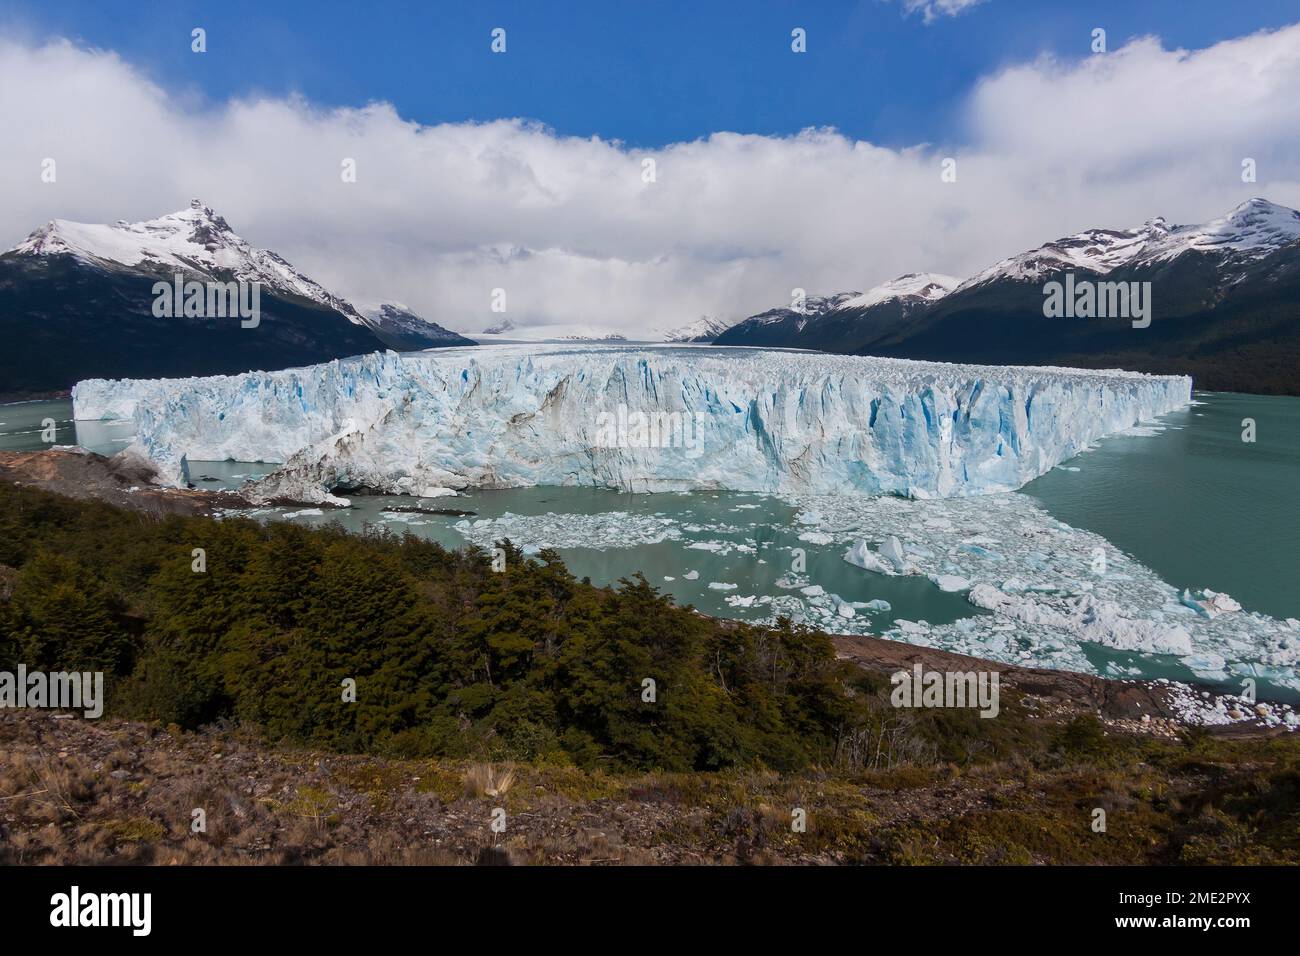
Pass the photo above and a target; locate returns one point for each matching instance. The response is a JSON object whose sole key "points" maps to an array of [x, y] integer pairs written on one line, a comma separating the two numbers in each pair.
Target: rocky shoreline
{"points": [[120, 480]]}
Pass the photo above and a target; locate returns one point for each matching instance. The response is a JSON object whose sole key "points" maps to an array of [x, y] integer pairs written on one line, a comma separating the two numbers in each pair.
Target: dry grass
{"points": [[86, 792], [487, 780]]}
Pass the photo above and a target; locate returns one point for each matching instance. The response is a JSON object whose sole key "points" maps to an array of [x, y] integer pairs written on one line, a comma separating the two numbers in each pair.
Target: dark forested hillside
{"points": [[63, 320], [449, 657]]}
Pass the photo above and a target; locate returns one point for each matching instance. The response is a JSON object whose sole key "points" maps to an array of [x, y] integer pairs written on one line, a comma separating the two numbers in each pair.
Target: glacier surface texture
{"points": [[634, 419]]}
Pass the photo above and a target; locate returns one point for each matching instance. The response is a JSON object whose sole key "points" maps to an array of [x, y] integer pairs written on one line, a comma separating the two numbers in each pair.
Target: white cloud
{"points": [[441, 215], [932, 10]]}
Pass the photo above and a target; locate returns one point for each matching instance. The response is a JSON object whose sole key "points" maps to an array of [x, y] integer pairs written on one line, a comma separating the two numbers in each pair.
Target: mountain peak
{"points": [[1256, 211], [1260, 203], [1252, 228], [194, 241], [704, 329], [134, 243], [401, 328]]}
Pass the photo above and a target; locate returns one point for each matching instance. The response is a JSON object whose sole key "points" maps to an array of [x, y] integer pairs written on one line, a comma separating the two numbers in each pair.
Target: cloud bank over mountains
{"points": [[440, 216]]}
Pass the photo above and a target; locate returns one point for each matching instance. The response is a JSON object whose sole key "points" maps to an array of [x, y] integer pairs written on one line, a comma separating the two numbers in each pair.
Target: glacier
{"points": [[754, 420]]}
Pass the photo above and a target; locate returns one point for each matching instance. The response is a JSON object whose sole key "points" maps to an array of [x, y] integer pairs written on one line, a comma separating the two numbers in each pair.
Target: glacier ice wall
{"points": [[738, 419]]}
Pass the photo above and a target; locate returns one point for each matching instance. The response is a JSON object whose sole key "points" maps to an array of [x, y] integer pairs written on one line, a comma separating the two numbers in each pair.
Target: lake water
{"points": [[1196, 503], [1188, 500]]}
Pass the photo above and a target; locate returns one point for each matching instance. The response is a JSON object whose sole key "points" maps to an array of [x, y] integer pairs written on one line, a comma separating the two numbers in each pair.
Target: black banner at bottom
{"points": [[335, 905]]}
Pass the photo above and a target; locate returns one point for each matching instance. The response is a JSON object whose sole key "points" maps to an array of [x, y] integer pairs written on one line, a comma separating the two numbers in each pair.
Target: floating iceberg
{"points": [[608, 529], [1209, 603], [634, 419], [1053, 591]]}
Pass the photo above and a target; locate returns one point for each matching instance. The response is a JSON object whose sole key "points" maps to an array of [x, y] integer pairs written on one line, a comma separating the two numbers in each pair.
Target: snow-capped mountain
{"points": [[777, 327], [813, 306], [200, 244], [77, 299], [827, 322], [194, 240], [1225, 297], [914, 287], [1094, 250], [1254, 229], [704, 329], [402, 329]]}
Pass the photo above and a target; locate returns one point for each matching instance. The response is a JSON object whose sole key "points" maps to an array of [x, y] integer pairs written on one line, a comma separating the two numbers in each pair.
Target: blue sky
{"points": [[644, 73], [526, 171]]}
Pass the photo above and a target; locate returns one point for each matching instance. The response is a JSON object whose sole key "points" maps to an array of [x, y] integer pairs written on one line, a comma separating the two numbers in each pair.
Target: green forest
{"points": [[449, 657]]}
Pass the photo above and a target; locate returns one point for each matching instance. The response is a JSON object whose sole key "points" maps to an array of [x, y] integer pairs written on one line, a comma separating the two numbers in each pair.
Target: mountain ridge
{"points": [[1226, 299], [60, 283]]}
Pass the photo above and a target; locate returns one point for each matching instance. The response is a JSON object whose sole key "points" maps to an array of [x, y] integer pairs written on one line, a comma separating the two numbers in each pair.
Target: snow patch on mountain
{"points": [[1255, 228], [1093, 250], [704, 329], [914, 287], [813, 306]]}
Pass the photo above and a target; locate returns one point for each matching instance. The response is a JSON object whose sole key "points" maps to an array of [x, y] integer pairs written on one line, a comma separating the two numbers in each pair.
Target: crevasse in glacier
{"points": [[636, 419]]}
